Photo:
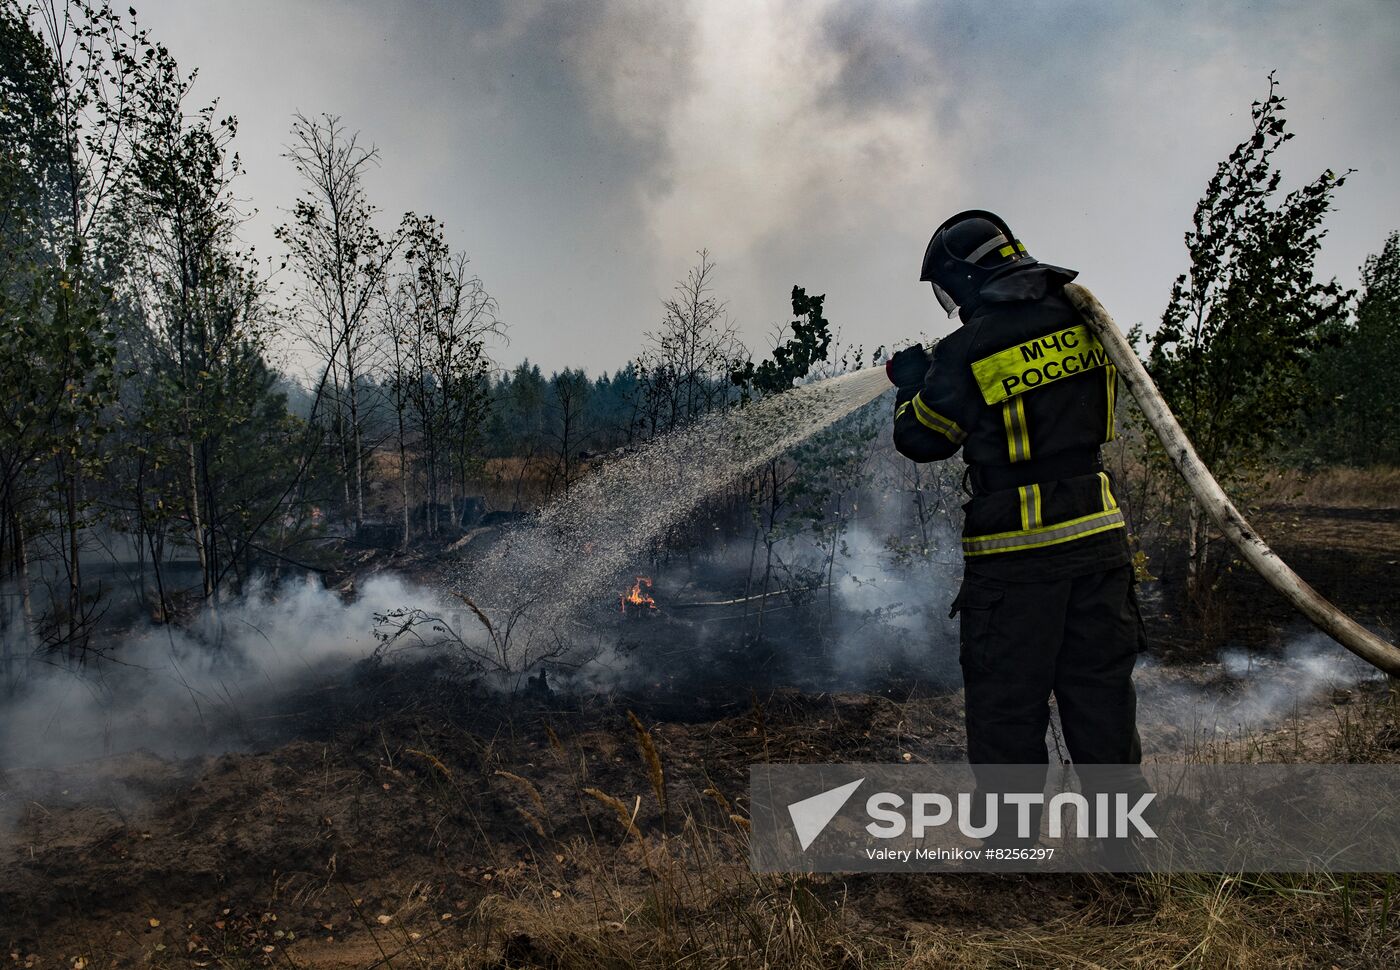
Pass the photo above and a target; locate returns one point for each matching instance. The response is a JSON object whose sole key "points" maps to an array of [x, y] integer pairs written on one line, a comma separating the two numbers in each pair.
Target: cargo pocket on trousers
{"points": [[975, 602]]}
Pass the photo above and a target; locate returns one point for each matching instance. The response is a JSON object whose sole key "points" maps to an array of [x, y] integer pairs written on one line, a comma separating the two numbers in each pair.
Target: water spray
{"points": [[548, 570], [1217, 504]]}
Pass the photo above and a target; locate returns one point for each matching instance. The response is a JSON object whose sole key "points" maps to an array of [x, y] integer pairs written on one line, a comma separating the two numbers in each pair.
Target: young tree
{"points": [[833, 464], [1232, 353], [569, 395], [683, 370], [69, 103], [797, 348], [396, 335], [342, 260], [451, 318], [202, 404], [793, 357]]}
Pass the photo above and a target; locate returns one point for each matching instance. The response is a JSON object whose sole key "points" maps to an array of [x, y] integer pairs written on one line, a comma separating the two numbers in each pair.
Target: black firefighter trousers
{"points": [[1077, 638]]}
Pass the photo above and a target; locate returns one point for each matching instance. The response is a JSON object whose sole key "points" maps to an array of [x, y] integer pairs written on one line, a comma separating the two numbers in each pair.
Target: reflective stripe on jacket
{"points": [[1022, 380]]}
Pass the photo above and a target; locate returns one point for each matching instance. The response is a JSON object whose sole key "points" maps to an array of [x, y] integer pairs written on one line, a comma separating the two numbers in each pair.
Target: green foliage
{"points": [[528, 412], [211, 467], [794, 357], [1360, 375], [56, 353], [32, 158], [134, 330], [342, 262], [56, 364], [449, 318], [1232, 353]]}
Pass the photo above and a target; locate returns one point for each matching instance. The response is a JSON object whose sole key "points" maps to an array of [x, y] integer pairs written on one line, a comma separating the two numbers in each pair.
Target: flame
{"points": [[636, 598]]}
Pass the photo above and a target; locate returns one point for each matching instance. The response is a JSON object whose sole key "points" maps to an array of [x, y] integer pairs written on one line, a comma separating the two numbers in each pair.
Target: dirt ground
{"points": [[391, 817], [1350, 554]]}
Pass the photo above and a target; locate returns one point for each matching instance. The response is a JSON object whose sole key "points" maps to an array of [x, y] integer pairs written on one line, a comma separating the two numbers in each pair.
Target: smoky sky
{"points": [[581, 153]]}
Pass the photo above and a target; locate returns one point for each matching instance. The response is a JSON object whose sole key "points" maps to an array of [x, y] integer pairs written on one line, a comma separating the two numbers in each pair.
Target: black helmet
{"points": [[967, 251]]}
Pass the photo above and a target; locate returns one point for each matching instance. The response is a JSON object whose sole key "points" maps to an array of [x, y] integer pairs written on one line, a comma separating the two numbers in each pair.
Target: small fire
{"points": [[639, 596]]}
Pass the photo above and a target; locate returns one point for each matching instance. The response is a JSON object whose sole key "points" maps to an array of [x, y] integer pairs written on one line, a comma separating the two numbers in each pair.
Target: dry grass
{"points": [[509, 483], [646, 745], [709, 912], [1199, 920], [621, 890], [685, 898], [1373, 488]]}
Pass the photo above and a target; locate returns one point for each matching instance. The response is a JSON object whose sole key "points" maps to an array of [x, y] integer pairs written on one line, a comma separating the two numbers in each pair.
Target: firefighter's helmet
{"points": [[965, 252]]}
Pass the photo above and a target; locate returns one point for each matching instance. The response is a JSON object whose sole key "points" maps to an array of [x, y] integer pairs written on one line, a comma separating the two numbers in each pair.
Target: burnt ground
{"points": [[405, 806], [1350, 555], [392, 816]]}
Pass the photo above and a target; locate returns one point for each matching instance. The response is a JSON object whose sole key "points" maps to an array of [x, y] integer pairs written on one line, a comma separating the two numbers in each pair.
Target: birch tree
{"points": [[341, 260]]}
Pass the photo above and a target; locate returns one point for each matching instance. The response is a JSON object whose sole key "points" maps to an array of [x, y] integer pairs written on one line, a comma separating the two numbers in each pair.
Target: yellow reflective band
{"points": [[1079, 528], [1030, 507], [1111, 378], [1019, 247], [1109, 502], [1006, 250], [1037, 363], [931, 419], [899, 411], [1018, 437], [1025, 428], [1007, 418]]}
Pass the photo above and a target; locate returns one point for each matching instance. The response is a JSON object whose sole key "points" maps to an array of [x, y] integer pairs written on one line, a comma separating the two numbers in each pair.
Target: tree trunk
{"points": [[357, 446], [767, 577], [769, 541], [12, 645], [831, 580], [1194, 558], [196, 519], [26, 597], [75, 577], [403, 483], [748, 579]]}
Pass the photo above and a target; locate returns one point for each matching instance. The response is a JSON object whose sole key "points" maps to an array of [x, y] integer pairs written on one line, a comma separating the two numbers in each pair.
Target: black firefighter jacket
{"points": [[1027, 392]]}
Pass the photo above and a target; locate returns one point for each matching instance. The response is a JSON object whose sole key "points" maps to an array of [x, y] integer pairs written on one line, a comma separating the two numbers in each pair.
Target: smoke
{"points": [[1245, 692], [881, 623], [765, 133], [185, 691], [873, 619], [194, 690], [894, 614]]}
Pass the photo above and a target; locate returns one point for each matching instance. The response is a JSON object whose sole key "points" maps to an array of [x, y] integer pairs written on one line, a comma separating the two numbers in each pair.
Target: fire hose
{"points": [[1217, 504]]}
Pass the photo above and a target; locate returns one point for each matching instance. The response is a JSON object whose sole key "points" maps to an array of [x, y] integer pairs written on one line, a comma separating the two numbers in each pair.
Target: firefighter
{"points": [[1047, 604]]}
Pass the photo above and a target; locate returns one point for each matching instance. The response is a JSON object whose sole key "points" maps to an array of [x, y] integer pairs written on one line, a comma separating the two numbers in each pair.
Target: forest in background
{"points": [[145, 424]]}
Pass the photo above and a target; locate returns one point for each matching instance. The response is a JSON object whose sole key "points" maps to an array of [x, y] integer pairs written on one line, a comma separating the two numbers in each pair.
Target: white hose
{"points": [[1217, 504]]}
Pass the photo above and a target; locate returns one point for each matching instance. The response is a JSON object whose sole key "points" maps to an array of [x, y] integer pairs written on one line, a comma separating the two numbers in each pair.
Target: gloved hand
{"points": [[908, 367]]}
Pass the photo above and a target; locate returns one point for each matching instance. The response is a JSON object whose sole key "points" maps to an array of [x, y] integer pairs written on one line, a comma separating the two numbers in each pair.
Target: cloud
{"points": [[581, 152], [778, 126]]}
